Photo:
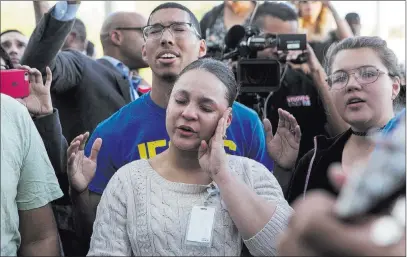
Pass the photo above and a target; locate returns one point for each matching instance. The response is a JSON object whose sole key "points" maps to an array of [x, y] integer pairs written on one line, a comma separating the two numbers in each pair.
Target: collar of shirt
{"points": [[118, 65]]}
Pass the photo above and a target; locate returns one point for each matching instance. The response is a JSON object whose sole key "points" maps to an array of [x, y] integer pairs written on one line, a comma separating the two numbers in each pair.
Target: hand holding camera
{"points": [[310, 64]]}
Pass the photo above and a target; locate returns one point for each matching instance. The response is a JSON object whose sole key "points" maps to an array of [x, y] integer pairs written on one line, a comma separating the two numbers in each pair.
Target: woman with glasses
{"points": [[364, 83]]}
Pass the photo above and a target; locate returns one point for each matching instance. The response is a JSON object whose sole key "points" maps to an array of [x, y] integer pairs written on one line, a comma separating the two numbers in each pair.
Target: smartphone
{"points": [[14, 83]]}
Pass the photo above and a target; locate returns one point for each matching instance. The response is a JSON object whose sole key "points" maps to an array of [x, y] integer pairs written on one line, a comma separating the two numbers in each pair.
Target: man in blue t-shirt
{"points": [[138, 129]]}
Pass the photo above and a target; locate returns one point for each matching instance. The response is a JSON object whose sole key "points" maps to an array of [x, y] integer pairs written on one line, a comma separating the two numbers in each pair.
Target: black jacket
{"points": [[49, 128], [312, 170], [85, 91], [299, 96]]}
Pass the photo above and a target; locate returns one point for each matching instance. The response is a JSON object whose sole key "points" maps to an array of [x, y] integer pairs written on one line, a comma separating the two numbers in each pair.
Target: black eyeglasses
{"points": [[130, 28], [363, 75], [177, 29]]}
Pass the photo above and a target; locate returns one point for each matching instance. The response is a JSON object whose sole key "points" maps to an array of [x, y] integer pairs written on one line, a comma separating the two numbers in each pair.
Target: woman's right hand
{"points": [[82, 169]]}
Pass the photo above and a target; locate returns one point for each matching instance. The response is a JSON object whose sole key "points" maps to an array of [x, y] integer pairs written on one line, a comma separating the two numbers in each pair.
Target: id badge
{"points": [[200, 226]]}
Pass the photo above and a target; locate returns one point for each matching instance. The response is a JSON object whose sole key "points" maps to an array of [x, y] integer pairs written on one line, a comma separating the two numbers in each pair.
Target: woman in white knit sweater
{"points": [[193, 199]]}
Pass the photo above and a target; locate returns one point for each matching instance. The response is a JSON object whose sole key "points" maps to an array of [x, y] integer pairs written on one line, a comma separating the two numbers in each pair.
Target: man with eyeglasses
{"points": [[172, 41], [84, 90]]}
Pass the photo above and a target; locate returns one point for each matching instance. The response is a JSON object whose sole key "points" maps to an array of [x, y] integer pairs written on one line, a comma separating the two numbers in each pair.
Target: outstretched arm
{"points": [[46, 41]]}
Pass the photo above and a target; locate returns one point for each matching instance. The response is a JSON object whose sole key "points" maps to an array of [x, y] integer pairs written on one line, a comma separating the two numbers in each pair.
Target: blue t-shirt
{"points": [[137, 131]]}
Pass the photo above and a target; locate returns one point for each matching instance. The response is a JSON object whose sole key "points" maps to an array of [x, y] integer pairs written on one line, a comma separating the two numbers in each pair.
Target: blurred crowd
{"points": [[97, 161]]}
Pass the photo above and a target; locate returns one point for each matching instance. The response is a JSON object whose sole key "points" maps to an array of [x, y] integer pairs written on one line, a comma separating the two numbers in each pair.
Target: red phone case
{"points": [[14, 83]]}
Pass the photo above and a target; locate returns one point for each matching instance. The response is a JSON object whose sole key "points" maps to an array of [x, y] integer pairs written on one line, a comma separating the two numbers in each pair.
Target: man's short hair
{"points": [[170, 5], [11, 30], [280, 11], [80, 30]]}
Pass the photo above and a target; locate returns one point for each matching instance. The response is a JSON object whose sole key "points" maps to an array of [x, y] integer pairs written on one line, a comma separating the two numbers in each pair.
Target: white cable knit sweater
{"points": [[143, 214]]}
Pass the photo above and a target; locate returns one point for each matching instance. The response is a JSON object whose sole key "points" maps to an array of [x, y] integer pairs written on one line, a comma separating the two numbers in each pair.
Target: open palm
{"points": [[82, 169], [283, 147]]}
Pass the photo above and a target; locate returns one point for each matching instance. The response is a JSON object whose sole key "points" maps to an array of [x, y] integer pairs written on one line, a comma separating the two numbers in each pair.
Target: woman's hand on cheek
{"points": [[212, 157]]}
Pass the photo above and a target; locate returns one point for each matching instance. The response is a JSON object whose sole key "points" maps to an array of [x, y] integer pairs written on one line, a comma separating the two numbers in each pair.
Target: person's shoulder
{"points": [[237, 164], [133, 172], [394, 122], [7, 100], [12, 108], [248, 169], [401, 114], [243, 111], [74, 54], [127, 116], [245, 164], [11, 103], [134, 166], [327, 144]]}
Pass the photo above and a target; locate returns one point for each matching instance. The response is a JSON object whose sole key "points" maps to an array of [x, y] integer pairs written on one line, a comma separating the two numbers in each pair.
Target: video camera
{"points": [[259, 78], [260, 75]]}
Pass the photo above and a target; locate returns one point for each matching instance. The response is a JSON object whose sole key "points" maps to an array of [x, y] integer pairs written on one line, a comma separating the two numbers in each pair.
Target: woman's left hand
{"points": [[212, 157], [283, 147]]}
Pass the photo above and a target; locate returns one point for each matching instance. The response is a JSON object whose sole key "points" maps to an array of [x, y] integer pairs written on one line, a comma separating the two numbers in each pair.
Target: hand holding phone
{"points": [[38, 102], [14, 83]]}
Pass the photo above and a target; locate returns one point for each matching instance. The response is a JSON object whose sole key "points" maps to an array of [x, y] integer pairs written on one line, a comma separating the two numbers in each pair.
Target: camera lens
{"points": [[256, 74]]}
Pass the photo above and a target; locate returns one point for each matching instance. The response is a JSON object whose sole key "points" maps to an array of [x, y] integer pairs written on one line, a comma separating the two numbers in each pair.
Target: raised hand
{"points": [[283, 147], [39, 101], [212, 157], [82, 169]]}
